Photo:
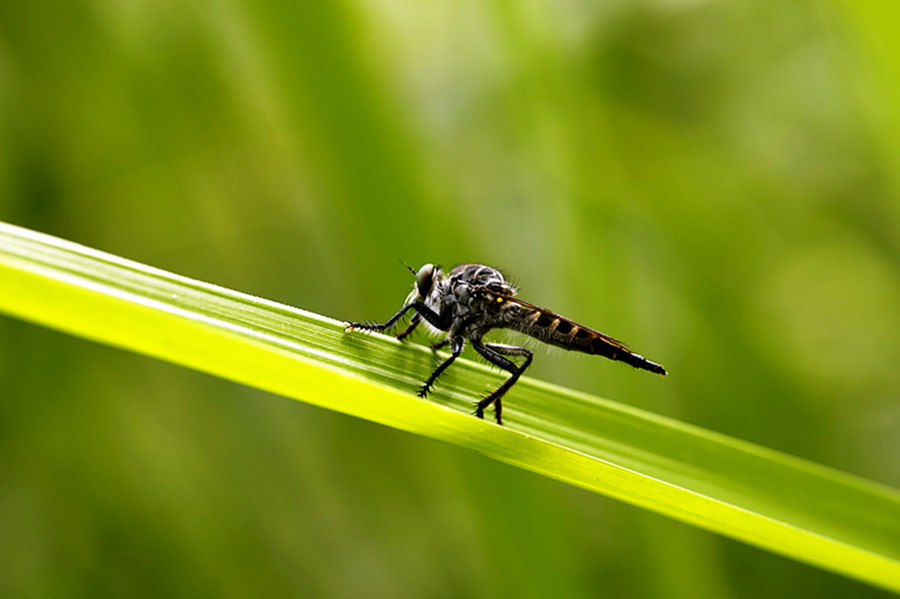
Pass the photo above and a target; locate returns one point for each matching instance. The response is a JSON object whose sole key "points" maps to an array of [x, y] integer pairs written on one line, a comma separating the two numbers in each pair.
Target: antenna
{"points": [[411, 269]]}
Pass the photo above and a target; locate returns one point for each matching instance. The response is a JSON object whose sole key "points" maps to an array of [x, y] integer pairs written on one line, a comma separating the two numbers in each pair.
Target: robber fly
{"points": [[471, 300]]}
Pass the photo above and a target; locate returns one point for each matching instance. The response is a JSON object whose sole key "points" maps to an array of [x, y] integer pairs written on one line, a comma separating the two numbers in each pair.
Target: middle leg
{"points": [[413, 323], [456, 347]]}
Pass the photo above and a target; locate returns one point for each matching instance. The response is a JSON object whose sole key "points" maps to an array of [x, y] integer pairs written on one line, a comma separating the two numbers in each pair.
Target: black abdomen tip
{"points": [[654, 367]]}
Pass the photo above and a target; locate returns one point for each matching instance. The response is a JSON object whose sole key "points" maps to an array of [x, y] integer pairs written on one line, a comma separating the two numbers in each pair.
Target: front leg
{"points": [[427, 313]]}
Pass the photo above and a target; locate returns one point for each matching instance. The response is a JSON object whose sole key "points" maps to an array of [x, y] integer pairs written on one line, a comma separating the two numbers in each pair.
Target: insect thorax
{"points": [[461, 294]]}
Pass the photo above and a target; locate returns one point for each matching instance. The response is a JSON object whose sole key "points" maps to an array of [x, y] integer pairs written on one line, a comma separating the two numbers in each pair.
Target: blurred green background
{"points": [[715, 183]]}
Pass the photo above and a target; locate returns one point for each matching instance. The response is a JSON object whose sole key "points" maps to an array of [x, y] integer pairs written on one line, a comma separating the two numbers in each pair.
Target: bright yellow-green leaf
{"points": [[786, 505]]}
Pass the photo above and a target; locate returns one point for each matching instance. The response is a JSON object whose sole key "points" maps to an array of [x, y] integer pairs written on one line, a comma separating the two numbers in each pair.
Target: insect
{"points": [[472, 299]]}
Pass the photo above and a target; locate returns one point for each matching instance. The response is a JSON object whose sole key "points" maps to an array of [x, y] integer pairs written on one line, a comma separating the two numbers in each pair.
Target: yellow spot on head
{"points": [[499, 300]]}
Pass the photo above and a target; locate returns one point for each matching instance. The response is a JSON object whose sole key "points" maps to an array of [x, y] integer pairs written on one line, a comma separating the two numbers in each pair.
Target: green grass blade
{"points": [[786, 505]]}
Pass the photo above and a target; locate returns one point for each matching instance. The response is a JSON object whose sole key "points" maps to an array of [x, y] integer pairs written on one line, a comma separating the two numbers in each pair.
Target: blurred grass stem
{"points": [[776, 502]]}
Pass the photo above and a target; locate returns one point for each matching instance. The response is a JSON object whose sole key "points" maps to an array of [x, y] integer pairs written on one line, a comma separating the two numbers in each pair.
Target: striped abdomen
{"points": [[549, 327]]}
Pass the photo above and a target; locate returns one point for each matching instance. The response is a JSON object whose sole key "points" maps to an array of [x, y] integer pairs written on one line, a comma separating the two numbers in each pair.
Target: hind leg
{"points": [[494, 353]]}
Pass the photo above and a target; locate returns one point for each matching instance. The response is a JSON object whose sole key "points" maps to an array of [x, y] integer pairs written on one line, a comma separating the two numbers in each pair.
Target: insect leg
{"points": [[413, 323], [438, 345], [427, 313], [493, 353], [456, 347]]}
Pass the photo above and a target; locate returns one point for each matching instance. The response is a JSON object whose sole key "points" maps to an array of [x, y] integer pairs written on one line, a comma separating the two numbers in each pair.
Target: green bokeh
{"points": [[714, 184]]}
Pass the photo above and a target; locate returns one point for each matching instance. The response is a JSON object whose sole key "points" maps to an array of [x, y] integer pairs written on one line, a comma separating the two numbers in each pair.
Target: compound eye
{"points": [[425, 279]]}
